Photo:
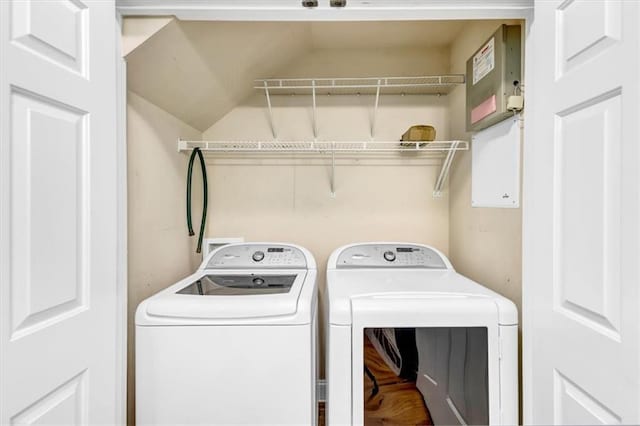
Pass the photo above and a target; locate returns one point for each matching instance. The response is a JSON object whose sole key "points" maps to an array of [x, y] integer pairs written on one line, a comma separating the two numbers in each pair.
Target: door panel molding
{"points": [[587, 154], [66, 44], [67, 401], [45, 130], [572, 401]]}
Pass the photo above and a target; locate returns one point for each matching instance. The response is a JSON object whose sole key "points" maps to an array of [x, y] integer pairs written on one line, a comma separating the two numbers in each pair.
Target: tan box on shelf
{"points": [[422, 133]]}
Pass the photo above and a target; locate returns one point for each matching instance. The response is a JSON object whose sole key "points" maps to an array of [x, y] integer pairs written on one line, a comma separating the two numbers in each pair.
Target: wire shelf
{"points": [[441, 149], [316, 147], [434, 84]]}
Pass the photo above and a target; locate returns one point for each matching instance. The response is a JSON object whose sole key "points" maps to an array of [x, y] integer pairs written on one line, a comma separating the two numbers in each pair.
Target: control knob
{"points": [[258, 256], [258, 281], [389, 256]]}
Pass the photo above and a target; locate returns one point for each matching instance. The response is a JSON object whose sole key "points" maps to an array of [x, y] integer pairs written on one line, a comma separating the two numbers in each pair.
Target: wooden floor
{"points": [[398, 401]]}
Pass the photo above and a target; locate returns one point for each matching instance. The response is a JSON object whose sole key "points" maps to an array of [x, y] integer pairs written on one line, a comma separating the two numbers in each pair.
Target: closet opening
{"points": [[302, 127]]}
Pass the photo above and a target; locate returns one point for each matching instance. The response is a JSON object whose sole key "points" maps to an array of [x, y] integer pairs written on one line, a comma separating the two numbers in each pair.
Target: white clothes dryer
{"points": [[234, 343], [459, 338]]}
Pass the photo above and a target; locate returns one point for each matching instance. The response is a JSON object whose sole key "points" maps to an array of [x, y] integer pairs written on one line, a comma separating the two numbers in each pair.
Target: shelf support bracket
{"points": [[444, 171], [315, 122], [271, 123], [333, 169], [375, 111]]}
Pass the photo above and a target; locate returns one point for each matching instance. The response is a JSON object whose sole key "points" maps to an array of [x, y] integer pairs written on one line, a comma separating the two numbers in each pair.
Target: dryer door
{"points": [[458, 349]]}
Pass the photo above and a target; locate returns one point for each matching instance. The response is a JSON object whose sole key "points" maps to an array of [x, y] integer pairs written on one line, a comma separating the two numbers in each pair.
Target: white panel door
{"points": [[581, 215], [57, 212]]}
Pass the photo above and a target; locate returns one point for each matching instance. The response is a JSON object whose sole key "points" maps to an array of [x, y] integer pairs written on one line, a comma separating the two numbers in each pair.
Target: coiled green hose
{"points": [[205, 189]]}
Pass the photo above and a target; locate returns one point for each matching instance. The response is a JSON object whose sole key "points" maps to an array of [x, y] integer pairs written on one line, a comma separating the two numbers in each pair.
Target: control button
{"points": [[258, 281], [258, 256], [389, 256]]}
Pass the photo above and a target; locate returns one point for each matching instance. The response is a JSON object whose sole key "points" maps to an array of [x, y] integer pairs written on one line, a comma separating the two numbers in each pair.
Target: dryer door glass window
{"points": [[426, 375], [240, 285]]}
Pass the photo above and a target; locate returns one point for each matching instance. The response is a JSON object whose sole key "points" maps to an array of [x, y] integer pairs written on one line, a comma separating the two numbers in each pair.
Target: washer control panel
{"points": [[258, 256], [390, 256]]}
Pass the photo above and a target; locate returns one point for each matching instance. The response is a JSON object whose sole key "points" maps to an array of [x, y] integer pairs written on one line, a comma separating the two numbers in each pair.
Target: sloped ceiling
{"points": [[199, 71], [136, 31]]}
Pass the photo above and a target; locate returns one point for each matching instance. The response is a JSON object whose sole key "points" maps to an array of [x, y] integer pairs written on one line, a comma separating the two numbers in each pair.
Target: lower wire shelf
{"points": [[322, 146], [443, 149]]}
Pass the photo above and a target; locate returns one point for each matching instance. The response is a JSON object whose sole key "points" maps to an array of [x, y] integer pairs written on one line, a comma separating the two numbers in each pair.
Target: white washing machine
{"points": [[234, 343], [455, 338]]}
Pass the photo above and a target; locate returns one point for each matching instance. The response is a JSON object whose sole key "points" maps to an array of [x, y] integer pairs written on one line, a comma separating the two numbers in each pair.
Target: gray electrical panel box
{"points": [[493, 73]]}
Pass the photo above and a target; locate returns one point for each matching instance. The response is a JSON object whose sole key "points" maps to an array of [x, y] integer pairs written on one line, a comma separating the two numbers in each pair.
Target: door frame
{"points": [[122, 229], [291, 10]]}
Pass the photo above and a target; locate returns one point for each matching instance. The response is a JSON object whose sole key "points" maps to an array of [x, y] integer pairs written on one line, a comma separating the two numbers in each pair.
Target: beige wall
{"points": [[264, 198], [485, 244], [368, 62], [159, 249]]}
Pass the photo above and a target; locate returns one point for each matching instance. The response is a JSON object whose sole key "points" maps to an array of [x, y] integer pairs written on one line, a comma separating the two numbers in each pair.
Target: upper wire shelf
{"points": [[422, 85]]}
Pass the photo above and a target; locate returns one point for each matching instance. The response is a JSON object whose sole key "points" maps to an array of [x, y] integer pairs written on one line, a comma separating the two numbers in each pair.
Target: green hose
{"points": [[205, 189], [189, 174]]}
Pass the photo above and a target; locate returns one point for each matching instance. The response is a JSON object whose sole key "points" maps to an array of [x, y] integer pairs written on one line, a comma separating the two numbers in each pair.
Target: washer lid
{"points": [[240, 285], [215, 297]]}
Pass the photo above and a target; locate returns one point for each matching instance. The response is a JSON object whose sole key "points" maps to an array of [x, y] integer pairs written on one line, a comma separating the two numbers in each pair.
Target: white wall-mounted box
{"points": [[495, 165]]}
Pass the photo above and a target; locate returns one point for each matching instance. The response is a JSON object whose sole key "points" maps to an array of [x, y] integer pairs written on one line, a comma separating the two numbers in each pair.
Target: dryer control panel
{"points": [[390, 256], [258, 256]]}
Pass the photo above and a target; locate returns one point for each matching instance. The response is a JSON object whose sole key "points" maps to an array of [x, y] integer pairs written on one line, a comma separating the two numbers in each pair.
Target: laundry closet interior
{"points": [[300, 126]]}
